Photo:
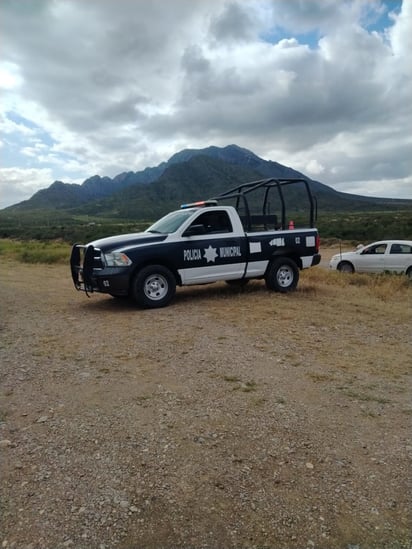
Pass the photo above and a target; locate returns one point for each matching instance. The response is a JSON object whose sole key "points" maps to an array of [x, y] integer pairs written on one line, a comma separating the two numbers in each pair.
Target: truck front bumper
{"points": [[90, 275], [113, 283]]}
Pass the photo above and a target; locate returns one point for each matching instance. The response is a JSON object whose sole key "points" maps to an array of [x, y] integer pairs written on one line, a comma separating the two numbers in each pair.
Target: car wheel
{"points": [[154, 286], [409, 272], [346, 267], [282, 275]]}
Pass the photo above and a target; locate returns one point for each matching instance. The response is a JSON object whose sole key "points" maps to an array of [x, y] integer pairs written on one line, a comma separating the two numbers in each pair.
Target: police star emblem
{"points": [[210, 254]]}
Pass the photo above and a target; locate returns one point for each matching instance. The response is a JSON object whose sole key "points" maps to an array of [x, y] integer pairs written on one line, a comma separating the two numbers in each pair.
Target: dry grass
{"points": [[342, 325], [231, 392]]}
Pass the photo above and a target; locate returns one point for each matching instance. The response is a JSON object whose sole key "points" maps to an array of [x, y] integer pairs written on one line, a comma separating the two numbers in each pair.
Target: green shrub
{"points": [[33, 251]]}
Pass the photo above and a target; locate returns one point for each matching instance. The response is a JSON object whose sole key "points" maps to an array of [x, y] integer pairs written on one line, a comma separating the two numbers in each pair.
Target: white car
{"points": [[387, 255]]}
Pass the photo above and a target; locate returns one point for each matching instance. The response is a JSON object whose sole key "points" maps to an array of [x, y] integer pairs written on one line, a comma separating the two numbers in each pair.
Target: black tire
{"points": [[346, 267], [238, 282], [282, 275], [154, 286], [409, 272]]}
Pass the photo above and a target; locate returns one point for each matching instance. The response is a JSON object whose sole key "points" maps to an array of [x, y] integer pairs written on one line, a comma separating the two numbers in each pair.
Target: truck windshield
{"points": [[170, 222]]}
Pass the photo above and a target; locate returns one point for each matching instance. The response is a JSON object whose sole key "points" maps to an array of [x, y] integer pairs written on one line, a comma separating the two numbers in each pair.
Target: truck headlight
{"points": [[117, 259]]}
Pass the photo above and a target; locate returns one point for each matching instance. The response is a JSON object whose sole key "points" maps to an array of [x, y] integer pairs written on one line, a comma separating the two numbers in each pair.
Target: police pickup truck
{"points": [[204, 242]]}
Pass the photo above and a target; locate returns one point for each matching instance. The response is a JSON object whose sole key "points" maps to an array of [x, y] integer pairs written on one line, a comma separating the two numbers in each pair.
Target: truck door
{"points": [[211, 250]]}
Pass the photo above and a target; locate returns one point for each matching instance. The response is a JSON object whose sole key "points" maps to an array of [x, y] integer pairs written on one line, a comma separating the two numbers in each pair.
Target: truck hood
{"points": [[122, 241]]}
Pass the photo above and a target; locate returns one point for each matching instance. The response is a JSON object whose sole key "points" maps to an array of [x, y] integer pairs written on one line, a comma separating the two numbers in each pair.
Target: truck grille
{"points": [[83, 261], [91, 258]]}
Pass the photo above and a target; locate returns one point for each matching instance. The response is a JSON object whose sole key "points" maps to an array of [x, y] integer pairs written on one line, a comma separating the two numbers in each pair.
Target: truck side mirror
{"points": [[194, 230]]}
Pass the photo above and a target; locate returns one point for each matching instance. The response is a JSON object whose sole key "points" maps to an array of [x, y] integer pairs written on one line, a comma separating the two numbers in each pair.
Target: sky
{"points": [[109, 86]]}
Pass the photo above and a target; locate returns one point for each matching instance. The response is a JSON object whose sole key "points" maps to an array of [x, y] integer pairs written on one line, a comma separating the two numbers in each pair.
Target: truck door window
{"points": [[215, 222]]}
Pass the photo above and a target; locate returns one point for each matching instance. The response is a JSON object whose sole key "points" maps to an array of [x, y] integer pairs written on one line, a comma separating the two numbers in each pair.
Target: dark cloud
{"points": [[235, 23], [130, 82]]}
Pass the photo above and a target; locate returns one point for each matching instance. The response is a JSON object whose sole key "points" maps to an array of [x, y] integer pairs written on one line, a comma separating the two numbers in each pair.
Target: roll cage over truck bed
{"points": [[266, 187]]}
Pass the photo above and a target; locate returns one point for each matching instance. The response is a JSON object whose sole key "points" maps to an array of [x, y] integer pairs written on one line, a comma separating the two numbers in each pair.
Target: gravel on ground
{"points": [[230, 419]]}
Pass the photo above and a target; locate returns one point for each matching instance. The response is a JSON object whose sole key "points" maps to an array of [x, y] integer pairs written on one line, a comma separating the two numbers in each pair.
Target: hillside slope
{"points": [[188, 175]]}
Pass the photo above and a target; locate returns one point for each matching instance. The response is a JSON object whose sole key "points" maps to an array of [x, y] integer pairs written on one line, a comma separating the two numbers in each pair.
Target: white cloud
{"points": [[314, 168], [105, 87], [8, 127], [18, 184], [10, 77], [386, 188]]}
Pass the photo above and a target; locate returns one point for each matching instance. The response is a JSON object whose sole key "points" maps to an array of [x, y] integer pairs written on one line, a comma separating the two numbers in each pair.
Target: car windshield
{"points": [[170, 222]]}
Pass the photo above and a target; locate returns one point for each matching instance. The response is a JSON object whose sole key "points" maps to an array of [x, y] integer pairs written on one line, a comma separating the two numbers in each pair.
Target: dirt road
{"points": [[227, 420]]}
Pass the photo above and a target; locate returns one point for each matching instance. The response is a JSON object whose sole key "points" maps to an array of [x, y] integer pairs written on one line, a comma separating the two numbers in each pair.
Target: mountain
{"points": [[195, 179], [188, 175]]}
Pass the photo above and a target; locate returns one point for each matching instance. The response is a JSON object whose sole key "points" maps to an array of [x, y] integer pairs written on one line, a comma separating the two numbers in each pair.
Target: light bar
{"points": [[200, 204]]}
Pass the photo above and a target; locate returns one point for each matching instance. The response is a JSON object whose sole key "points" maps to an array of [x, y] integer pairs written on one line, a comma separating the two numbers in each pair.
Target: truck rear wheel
{"points": [[282, 275], [154, 286]]}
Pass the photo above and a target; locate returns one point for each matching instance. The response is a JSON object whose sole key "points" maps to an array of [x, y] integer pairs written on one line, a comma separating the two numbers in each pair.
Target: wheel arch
{"points": [[289, 254], [344, 262]]}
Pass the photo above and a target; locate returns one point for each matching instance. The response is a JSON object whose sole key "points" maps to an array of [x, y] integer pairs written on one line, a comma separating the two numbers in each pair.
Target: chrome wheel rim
{"points": [[156, 287], [285, 276]]}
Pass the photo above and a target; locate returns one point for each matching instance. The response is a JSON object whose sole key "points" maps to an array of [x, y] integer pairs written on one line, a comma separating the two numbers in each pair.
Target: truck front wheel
{"points": [[154, 286], [282, 275]]}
